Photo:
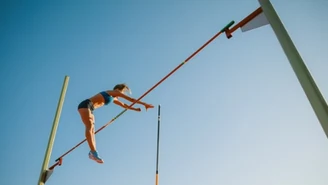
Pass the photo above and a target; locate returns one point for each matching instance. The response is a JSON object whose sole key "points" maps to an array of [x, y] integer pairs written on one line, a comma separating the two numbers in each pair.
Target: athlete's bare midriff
{"points": [[97, 101]]}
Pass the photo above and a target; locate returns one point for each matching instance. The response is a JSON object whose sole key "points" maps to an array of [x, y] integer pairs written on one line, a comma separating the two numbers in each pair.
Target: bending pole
{"points": [[158, 128], [53, 132], [179, 66], [310, 88]]}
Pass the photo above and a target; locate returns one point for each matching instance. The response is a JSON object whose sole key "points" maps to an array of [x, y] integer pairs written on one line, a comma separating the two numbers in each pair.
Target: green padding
{"points": [[227, 26]]}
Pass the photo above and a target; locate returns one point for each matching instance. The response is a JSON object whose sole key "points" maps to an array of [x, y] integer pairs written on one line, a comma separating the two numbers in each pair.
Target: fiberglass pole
{"points": [[158, 129]]}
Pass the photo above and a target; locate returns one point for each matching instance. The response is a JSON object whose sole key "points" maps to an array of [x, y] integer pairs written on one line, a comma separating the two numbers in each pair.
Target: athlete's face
{"points": [[123, 90]]}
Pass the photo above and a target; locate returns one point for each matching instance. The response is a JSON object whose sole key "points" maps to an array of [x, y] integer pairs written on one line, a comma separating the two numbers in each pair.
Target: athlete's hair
{"points": [[122, 87]]}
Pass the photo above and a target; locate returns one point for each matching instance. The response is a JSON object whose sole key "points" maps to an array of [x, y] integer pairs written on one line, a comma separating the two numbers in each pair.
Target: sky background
{"points": [[233, 115]]}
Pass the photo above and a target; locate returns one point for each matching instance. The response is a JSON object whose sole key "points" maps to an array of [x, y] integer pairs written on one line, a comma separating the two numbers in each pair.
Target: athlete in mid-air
{"points": [[87, 107]]}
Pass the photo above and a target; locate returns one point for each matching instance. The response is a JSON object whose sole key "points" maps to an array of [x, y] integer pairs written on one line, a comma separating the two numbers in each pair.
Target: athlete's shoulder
{"points": [[112, 92]]}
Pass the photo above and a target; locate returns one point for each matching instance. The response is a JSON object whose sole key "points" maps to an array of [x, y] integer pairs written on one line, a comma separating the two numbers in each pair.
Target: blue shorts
{"points": [[86, 104]]}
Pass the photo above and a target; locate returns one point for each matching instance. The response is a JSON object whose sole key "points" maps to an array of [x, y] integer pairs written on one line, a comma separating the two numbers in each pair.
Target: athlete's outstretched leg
{"points": [[92, 132], [88, 120]]}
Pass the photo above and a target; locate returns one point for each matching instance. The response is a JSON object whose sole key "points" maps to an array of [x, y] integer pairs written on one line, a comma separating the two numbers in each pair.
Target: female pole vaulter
{"points": [[87, 107]]}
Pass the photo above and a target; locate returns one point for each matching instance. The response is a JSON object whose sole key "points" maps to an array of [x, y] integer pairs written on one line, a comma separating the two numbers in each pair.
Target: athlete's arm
{"points": [[119, 94], [119, 103]]}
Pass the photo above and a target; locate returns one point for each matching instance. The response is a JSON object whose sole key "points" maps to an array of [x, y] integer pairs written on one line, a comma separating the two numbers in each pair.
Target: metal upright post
{"points": [[309, 86], [52, 136]]}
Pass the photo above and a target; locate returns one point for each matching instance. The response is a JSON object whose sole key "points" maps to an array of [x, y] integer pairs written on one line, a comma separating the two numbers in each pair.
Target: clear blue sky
{"points": [[234, 115]]}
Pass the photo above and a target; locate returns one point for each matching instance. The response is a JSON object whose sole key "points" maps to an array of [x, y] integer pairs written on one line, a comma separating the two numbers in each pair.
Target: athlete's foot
{"points": [[94, 156]]}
